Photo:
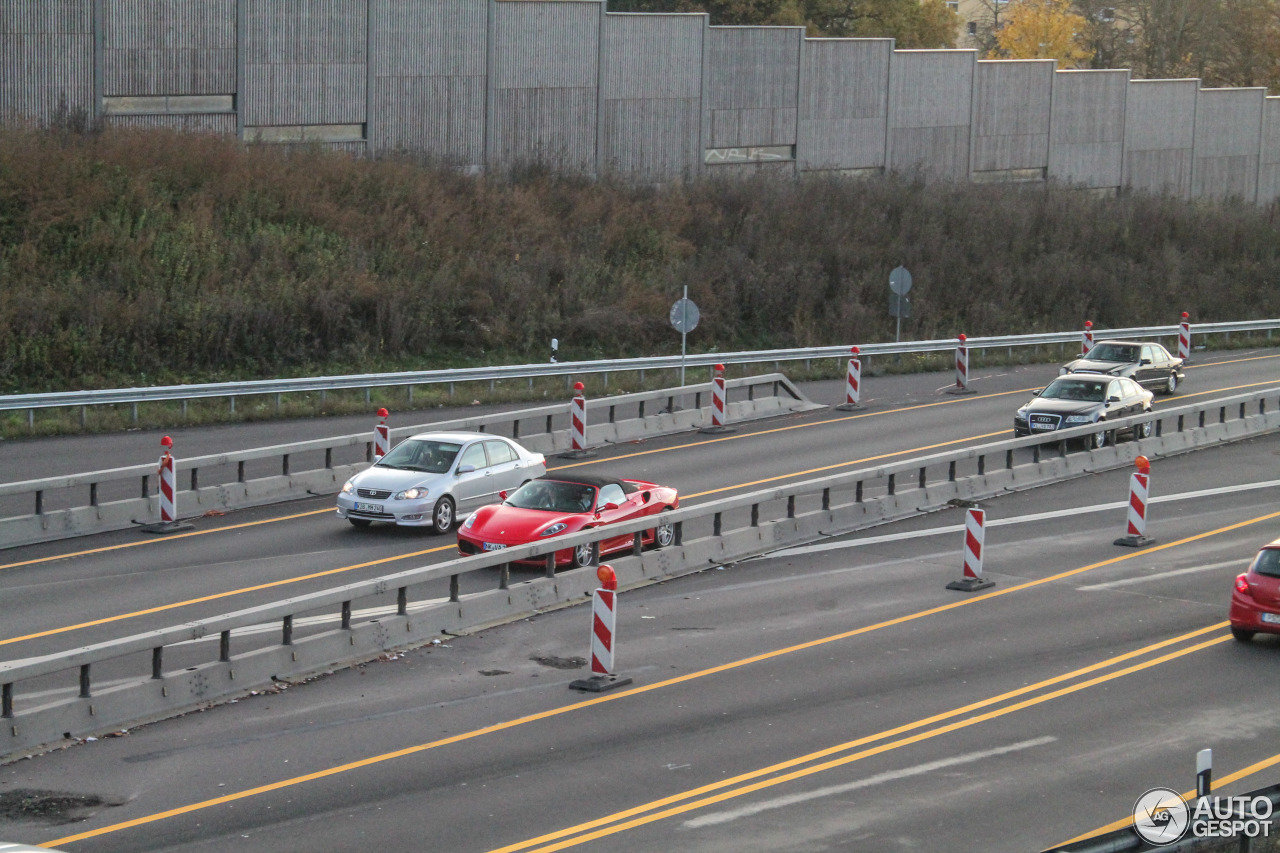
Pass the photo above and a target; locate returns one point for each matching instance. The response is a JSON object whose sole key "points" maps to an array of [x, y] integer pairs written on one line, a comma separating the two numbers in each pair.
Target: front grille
{"points": [[466, 547], [1044, 423], [378, 494]]}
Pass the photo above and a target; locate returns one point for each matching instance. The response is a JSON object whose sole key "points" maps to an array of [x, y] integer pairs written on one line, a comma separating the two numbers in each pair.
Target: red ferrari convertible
{"points": [[556, 505]]}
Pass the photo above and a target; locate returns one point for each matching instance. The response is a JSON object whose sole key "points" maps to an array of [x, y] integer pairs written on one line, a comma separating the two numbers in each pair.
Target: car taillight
{"points": [[1242, 584]]}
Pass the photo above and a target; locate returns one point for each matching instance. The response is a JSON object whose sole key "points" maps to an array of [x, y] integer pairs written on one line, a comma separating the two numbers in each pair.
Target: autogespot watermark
{"points": [[1161, 816]]}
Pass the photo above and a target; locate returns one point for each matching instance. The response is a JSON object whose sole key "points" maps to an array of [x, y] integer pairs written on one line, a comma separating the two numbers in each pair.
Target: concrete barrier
{"points": [[703, 538]]}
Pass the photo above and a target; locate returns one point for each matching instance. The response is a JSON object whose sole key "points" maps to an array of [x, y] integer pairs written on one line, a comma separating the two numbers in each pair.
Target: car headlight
{"points": [[349, 486], [1079, 419], [1062, 371], [411, 494], [554, 529], [1020, 415], [471, 522]]}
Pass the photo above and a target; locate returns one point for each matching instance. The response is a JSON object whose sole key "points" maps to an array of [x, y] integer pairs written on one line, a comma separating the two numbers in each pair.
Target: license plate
{"points": [[1043, 427], [368, 507], [494, 546], [1271, 618]]}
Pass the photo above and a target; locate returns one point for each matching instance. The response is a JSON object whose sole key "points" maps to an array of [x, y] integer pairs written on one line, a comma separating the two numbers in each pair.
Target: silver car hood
{"points": [[394, 479]]}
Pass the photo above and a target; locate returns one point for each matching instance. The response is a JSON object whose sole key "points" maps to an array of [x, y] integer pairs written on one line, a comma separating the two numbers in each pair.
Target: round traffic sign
{"points": [[900, 281], [684, 316]]}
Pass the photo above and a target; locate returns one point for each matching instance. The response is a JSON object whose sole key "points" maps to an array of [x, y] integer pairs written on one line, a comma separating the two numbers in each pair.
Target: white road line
{"points": [[1021, 519], [1162, 575], [716, 818]]}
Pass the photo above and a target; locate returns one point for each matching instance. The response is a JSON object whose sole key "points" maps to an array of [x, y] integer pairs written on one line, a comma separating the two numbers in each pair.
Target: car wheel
{"points": [[359, 522], [442, 517], [1171, 386], [1145, 429], [664, 535], [1098, 439], [1241, 634], [582, 555]]}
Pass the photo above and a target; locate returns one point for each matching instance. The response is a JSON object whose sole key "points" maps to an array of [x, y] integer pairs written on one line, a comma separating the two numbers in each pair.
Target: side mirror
{"points": [[466, 469], [609, 507], [502, 494], [1036, 393], [1145, 361], [1113, 399]]}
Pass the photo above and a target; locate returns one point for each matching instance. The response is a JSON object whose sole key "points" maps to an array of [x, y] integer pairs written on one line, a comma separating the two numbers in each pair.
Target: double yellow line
{"points": [[667, 807]]}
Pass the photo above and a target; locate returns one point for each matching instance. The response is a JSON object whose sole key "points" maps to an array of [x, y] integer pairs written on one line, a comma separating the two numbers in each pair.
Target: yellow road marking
{"points": [[1242, 773], [834, 763], [587, 703]]}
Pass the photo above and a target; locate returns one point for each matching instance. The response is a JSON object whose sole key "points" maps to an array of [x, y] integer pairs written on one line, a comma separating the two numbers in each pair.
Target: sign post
{"points": [[899, 305], [684, 317]]}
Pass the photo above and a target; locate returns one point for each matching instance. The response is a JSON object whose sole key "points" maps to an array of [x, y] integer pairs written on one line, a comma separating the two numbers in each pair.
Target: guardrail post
{"points": [[951, 471], [287, 632], [240, 471], [346, 615], [892, 484], [791, 506], [637, 545], [679, 534], [857, 493], [826, 498], [922, 476], [982, 464], [6, 701], [146, 485], [85, 686], [504, 576], [39, 503], [224, 646], [284, 465], [755, 515], [715, 525], [93, 494], [402, 601], [328, 458], [454, 593], [550, 570], [157, 662], [195, 479]]}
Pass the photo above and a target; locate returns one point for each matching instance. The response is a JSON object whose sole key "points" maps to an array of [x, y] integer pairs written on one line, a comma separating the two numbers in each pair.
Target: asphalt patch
{"points": [[559, 663], [48, 806]]}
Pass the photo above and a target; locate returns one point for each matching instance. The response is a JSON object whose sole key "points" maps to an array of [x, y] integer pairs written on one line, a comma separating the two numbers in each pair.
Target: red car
{"points": [[1255, 601], [556, 505]]}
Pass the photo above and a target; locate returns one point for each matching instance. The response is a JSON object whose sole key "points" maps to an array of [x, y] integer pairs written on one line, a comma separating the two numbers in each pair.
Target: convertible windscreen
{"points": [[554, 496]]}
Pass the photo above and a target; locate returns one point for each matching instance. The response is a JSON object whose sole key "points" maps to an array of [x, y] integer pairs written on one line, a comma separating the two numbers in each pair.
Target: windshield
{"points": [[554, 496], [1084, 390], [432, 457], [1268, 562], [1113, 352]]}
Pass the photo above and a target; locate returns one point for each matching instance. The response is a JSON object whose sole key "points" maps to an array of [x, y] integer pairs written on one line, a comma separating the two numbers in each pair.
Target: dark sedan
{"points": [[1078, 399], [1150, 365]]}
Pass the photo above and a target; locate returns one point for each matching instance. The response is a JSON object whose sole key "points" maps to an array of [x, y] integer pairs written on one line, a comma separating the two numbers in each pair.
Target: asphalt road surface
{"points": [[831, 697]]}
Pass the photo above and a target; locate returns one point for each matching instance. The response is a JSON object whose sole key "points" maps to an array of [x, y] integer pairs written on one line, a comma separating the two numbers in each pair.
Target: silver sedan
{"points": [[428, 480]]}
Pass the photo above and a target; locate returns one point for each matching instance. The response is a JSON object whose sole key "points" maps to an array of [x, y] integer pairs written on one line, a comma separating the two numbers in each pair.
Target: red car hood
{"points": [[511, 525]]}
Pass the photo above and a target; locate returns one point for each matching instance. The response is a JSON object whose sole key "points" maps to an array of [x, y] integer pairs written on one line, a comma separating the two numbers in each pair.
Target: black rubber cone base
{"points": [[716, 430], [576, 454], [971, 584], [600, 683], [1135, 541], [956, 389], [850, 407]]}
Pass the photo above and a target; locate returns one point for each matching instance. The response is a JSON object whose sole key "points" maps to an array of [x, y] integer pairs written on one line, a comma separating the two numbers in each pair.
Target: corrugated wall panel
{"points": [[752, 83], [550, 45], [1087, 128], [651, 95], [221, 123], [428, 62], [1269, 165], [844, 103], [930, 107], [546, 126], [46, 58], [1227, 142], [543, 98], [1159, 135], [304, 62], [169, 47], [1011, 114]]}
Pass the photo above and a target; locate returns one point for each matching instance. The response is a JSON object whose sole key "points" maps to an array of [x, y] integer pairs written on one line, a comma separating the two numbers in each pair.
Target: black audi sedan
{"points": [[1150, 365], [1077, 399]]}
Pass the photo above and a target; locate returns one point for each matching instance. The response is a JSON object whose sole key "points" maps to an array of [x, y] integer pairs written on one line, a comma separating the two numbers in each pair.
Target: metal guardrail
{"points": [[118, 498], [716, 532], [232, 390]]}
